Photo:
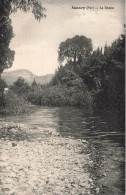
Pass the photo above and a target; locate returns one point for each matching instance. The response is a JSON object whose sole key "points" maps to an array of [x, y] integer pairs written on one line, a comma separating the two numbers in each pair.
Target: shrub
{"points": [[14, 104], [66, 96]]}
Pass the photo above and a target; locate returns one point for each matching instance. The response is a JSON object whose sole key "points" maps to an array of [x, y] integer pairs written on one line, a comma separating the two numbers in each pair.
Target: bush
{"points": [[13, 104], [66, 96], [34, 95]]}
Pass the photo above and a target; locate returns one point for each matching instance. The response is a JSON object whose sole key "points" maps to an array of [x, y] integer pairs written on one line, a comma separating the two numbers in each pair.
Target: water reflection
{"points": [[105, 142], [105, 147]]}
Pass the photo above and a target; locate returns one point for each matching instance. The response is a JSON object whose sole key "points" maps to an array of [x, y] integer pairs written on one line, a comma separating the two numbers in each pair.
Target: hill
{"points": [[12, 76]]}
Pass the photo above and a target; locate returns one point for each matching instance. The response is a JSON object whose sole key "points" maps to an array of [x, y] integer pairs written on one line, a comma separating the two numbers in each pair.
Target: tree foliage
{"points": [[102, 72], [20, 87], [14, 104], [75, 49], [33, 6], [6, 34]]}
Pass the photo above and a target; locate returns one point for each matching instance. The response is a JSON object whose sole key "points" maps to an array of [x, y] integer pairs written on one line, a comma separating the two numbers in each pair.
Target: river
{"points": [[104, 138]]}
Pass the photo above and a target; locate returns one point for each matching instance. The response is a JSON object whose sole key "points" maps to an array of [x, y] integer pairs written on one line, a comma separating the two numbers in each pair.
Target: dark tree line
{"points": [[102, 71]]}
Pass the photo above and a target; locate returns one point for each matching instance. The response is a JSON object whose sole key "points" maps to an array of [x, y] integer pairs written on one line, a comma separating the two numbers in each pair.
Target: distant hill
{"points": [[12, 76]]}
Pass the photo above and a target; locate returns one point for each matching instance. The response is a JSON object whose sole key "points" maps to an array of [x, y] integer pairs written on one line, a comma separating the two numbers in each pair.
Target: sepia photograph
{"points": [[62, 97]]}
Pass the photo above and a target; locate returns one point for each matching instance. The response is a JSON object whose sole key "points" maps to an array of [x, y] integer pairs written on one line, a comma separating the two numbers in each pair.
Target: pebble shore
{"points": [[38, 162]]}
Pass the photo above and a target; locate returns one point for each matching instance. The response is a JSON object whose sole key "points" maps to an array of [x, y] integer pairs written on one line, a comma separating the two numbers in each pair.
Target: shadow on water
{"points": [[105, 146], [104, 137]]}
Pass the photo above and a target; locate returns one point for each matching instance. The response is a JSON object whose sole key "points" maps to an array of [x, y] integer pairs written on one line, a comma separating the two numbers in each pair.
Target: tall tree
{"points": [[6, 31], [75, 49], [6, 34]]}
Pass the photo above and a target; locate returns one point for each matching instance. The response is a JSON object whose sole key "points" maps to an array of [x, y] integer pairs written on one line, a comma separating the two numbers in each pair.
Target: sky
{"points": [[36, 43]]}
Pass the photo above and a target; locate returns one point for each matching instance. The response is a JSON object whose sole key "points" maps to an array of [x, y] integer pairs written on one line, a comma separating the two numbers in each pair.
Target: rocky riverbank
{"points": [[38, 162]]}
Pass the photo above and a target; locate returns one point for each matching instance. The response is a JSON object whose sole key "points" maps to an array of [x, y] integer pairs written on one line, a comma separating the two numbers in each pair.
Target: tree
{"points": [[35, 6], [75, 49], [111, 66], [6, 34], [20, 87], [6, 31], [34, 84]]}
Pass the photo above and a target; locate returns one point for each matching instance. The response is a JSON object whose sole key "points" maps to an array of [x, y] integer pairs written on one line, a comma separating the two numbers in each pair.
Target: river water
{"points": [[104, 138]]}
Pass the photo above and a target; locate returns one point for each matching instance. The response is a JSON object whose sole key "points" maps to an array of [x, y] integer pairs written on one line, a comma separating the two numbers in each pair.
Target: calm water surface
{"points": [[104, 137]]}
